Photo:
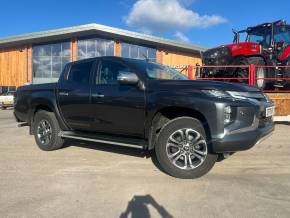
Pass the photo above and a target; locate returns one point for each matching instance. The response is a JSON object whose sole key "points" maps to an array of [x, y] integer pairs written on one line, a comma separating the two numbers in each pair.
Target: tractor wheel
{"points": [[260, 72], [241, 73]]}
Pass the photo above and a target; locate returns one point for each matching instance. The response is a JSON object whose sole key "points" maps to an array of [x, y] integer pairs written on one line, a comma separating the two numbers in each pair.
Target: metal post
{"points": [[197, 70], [190, 72], [252, 75]]}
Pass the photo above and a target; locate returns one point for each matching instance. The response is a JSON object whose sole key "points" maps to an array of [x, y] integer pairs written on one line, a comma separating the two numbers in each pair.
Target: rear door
{"points": [[74, 95], [117, 108]]}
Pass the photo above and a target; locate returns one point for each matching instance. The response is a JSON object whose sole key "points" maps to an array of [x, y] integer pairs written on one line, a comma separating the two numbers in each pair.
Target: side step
{"points": [[22, 124], [106, 139]]}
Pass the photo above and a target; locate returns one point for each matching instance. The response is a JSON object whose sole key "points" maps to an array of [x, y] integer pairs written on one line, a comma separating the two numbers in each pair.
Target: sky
{"points": [[206, 23]]}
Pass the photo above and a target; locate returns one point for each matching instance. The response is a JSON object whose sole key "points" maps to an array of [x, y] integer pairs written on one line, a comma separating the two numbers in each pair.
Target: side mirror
{"points": [[127, 78]]}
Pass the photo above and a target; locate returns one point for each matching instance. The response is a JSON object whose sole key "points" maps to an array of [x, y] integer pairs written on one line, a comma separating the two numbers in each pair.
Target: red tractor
{"points": [[267, 44]]}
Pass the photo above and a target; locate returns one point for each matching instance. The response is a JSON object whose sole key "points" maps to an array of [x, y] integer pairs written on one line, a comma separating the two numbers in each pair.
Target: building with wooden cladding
{"points": [[39, 57]]}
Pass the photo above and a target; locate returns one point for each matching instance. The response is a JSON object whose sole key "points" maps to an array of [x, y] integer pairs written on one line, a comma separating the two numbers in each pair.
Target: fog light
{"points": [[227, 114]]}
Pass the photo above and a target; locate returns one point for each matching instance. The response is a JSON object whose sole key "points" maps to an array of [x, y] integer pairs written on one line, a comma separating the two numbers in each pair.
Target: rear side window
{"points": [[80, 72]]}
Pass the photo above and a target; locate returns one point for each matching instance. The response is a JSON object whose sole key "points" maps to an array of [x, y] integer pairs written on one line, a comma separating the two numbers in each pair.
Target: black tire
{"points": [[241, 73], [161, 149], [260, 73], [55, 142]]}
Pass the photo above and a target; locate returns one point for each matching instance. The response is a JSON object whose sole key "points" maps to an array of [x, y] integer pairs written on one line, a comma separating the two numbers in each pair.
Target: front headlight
{"points": [[237, 95], [227, 115], [224, 94], [268, 99], [216, 93]]}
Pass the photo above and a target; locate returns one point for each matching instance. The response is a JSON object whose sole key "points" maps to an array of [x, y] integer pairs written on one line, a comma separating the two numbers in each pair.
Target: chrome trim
{"points": [[98, 95], [63, 93], [101, 141]]}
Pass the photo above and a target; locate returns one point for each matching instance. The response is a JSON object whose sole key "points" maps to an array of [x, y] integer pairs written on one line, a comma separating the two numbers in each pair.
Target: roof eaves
{"points": [[100, 28]]}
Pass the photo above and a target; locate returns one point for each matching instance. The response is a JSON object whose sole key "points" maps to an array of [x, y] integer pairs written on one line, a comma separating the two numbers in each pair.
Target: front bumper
{"points": [[249, 125], [242, 140]]}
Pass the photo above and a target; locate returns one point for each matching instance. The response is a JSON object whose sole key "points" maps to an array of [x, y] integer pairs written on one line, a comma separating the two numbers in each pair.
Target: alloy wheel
{"points": [[44, 132], [186, 149]]}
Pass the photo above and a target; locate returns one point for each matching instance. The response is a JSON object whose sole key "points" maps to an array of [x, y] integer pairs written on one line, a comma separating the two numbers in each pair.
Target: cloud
{"points": [[181, 37], [167, 15]]}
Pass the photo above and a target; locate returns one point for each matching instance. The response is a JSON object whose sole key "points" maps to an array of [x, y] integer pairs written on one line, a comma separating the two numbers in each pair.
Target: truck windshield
{"points": [[161, 72], [282, 34]]}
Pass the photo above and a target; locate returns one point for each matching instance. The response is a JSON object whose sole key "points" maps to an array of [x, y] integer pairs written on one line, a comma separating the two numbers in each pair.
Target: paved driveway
{"points": [[94, 180]]}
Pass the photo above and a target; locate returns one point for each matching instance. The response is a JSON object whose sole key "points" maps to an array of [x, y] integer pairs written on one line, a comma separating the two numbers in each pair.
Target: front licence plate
{"points": [[270, 111]]}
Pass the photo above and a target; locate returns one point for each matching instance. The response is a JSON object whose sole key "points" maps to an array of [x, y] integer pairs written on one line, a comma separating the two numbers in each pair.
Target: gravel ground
{"points": [[96, 180]]}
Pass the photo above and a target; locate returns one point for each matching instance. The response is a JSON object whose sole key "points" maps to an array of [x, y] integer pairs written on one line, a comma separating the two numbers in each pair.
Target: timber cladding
{"points": [[178, 60], [15, 66], [282, 103]]}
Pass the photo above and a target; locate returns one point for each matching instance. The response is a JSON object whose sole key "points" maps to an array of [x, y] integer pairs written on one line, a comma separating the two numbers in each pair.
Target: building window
{"points": [[49, 60], [138, 52], [89, 48]]}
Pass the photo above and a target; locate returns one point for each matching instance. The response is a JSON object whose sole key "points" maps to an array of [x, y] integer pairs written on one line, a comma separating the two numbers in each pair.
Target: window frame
{"points": [[65, 45], [68, 68]]}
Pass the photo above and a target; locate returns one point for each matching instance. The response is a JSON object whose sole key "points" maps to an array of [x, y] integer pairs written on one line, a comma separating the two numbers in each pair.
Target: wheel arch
{"points": [[163, 115], [42, 104], [239, 57], [42, 107]]}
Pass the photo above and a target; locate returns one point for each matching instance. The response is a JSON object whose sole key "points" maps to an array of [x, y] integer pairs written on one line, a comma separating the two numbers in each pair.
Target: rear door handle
{"points": [[63, 93], [98, 95]]}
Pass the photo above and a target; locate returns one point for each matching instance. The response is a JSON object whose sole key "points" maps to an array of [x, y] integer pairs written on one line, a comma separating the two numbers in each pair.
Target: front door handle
{"points": [[98, 95], [63, 93]]}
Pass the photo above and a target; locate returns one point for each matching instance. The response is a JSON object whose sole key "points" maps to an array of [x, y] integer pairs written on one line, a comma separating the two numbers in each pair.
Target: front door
{"points": [[118, 108]]}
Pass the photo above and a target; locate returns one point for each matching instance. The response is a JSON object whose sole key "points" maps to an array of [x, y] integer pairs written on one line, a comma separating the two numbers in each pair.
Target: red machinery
{"points": [[267, 44]]}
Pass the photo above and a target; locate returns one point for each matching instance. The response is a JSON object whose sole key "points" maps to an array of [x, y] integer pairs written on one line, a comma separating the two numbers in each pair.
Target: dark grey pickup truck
{"points": [[187, 124]]}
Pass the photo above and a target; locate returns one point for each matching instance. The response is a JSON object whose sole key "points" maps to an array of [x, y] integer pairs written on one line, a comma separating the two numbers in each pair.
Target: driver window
{"points": [[109, 72]]}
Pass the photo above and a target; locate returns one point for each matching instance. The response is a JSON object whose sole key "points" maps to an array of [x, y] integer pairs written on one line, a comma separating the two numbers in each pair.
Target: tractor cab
{"points": [[259, 34], [274, 36]]}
